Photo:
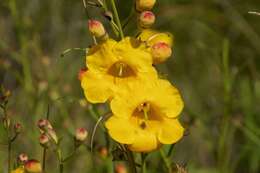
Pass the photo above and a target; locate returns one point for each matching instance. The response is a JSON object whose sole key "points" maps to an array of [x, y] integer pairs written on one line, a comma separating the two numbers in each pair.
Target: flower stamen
{"points": [[121, 70]]}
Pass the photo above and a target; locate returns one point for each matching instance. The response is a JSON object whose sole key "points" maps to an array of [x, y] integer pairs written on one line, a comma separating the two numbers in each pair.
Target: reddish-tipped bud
{"points": [[22, 158], [33, 166], [17, 128], [81, 73], [44, 140], [160, 52], [44, 124], [103, 152], [142, 5], [81, 134], [121, 168], [96, 28], [146, 19]]}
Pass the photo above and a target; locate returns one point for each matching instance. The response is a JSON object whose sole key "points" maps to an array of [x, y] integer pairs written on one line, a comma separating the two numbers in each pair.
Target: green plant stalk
{"points": [[143, 156], [9, 153], [131, 160], [117, 19], [59, 154], [223, 156], [166, 160]]}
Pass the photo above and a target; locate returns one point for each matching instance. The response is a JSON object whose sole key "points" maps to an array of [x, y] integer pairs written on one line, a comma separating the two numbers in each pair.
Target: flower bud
{"points": [[146, 19], [142, 5], [96, 28], [81, 134], [160, 52], [121, 168], [22, 158], [103, 152], [81, 73], [44, 140], [33, 166], [44, 124], [17, 128]]}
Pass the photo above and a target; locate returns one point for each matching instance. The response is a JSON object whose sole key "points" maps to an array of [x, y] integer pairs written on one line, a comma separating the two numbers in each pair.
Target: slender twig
{"points": [[117, 19]]}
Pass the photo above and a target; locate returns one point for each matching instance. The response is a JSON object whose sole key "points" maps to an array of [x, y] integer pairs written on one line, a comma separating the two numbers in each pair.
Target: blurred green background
{"points": [[215, 66]]}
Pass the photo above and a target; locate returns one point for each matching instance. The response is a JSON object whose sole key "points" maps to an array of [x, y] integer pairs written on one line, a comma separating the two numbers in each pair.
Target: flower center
{"points": [[146, 112], [121, 70]]}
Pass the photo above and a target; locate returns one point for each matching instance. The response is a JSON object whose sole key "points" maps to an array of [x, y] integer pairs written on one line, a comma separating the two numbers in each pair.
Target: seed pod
{"points": [[52, 134], [33, 166], [96, 28], [161, 51], [81, 134], [142, 5], [146, 19]]}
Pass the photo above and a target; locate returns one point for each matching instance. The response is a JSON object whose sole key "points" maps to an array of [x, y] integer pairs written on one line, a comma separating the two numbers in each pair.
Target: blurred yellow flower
{"points": [[144, 115], [112, 65], [18, 170]]}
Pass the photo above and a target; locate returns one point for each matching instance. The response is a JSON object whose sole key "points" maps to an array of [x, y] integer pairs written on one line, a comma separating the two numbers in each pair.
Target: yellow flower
{"points": [[113, 64], [18, 170], [144, 115]]}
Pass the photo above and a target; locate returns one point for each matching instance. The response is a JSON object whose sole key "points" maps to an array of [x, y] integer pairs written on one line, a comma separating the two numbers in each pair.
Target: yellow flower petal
{"points": [[18, 170], [145, 141], [101, 56], [96, 89], [120, 130], [171, 132]]}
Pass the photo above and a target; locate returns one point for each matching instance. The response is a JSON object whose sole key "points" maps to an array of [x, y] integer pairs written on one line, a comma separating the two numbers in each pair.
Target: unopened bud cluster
{"points": [[48, 134]]}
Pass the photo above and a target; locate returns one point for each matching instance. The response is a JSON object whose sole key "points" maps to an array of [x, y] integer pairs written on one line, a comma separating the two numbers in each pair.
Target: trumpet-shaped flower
{"points": [[112, 65], [144, 115]]}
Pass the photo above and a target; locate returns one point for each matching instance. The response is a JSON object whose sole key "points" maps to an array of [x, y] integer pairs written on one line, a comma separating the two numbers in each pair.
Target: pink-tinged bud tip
{"points": [[22, 158], [160, 52], [33, 166], [43, 124], [81, 134], [17, 128], [121, 168], [103, 152], [96, 28], [44, 140], [146, 19]]}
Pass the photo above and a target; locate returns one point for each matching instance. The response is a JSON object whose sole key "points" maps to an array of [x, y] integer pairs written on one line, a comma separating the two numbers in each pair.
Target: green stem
{"points": [[9, 155], [166, 161], [131, 161], [44, 159], [143, 156], [117, 19]]}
